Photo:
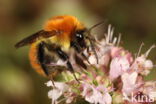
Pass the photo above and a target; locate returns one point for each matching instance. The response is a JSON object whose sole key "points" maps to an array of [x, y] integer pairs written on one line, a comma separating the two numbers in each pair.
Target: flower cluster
{"points": [[118, 78]]}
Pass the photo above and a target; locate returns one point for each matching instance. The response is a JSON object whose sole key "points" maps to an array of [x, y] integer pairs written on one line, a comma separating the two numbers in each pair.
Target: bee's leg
{"points": [[52, 80], [61, 54], [65, 57], [79, 50], [42, 58], [72, 70]]}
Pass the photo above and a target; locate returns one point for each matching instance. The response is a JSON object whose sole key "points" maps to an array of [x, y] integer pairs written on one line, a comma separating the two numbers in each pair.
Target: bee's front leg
{"points": [[79, 50], [65, 57]]}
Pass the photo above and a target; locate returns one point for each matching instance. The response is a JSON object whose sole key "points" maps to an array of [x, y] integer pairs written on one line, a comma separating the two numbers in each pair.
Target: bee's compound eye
{"points": [[79, 36], [80, 39]]}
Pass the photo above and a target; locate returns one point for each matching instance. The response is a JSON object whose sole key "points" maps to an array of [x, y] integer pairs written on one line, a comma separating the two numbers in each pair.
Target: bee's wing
{"points": [[35, 36]]}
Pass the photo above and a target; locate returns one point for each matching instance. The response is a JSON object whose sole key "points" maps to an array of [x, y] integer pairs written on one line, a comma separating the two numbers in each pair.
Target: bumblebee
{"points": [[59, 35]]}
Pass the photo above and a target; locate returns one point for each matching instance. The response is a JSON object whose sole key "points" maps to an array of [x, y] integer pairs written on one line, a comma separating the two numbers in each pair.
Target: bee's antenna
{"points": [[102, 22], [90, 40], [93, 48]]}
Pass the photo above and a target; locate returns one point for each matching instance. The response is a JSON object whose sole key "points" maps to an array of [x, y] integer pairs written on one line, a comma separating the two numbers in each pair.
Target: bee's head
{"points": [[80, 38]]}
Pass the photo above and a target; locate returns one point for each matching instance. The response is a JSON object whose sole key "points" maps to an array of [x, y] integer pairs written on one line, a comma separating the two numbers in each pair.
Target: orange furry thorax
{"points": [[63, 23], [66, 25]]}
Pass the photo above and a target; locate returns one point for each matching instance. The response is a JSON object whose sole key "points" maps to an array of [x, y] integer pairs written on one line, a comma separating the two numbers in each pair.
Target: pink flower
{"points": [[70, 96], [88, 92], [56, 93], [118, 66], [96, 95], [142, 65], [104, 95], [150, 89], [131, 83], [118, 52]]}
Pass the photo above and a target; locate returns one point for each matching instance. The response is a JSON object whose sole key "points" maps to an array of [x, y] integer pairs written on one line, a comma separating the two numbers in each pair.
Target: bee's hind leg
{"points": [[42, 59]]}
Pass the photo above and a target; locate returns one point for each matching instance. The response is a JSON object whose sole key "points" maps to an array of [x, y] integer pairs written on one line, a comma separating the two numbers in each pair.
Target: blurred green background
{"points": [[19, 84]]}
